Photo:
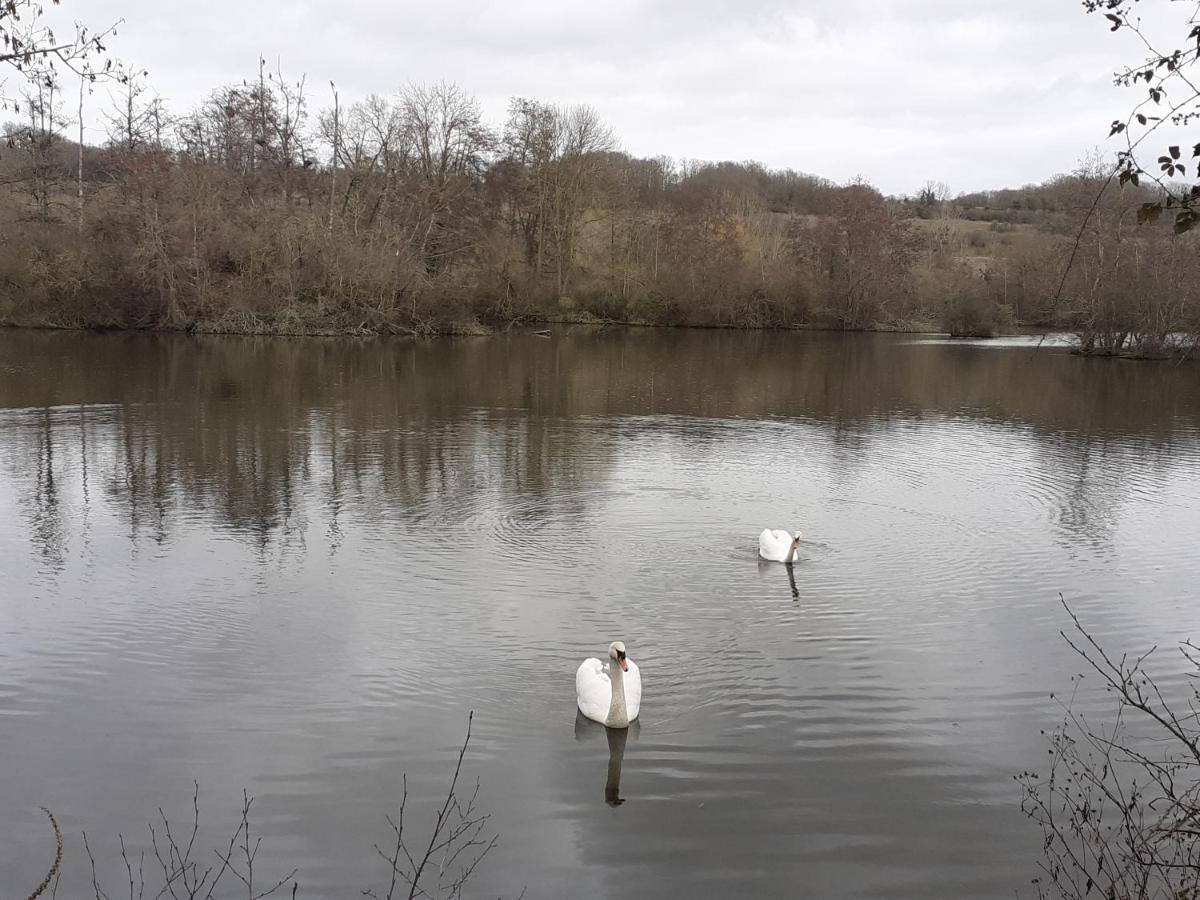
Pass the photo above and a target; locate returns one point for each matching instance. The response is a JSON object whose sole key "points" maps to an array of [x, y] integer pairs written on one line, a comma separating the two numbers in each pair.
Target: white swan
{"points": [[778, 545], [609, 694]]}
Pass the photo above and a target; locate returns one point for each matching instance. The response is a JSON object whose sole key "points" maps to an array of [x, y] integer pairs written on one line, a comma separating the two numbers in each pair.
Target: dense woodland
{"points": [[409, 213]]}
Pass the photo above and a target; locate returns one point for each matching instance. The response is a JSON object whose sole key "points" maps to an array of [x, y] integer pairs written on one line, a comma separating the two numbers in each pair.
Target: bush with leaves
{"points": [[1167, 77]]}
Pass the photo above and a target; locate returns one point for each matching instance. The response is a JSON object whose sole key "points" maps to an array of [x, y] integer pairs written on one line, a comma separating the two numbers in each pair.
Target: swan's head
{"points": [[616, 652], [796, 539]]}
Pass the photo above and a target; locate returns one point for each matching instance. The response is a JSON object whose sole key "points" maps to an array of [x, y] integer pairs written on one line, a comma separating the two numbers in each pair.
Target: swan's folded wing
{"points": [[774, 545], [633, 690], [764, 543], [593, 690]]}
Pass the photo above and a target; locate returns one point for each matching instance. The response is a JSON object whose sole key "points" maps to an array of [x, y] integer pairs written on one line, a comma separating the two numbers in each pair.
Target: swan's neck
{"points": [[618, 717]]}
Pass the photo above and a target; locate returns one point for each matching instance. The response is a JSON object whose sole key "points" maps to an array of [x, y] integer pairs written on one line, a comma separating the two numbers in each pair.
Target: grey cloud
{"points": [[977, 96]]}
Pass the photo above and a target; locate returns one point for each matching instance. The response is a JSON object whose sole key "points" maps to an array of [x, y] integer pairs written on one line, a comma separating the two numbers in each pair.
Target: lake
{"points": [[295, 566]]}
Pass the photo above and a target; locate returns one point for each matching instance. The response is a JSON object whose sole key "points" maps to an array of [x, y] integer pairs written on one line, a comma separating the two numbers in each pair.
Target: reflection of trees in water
{"points": [[849, 450], [1090, 480], [44, 499], [1089, 500], [138, 484], [240, 468], [248, 430], [333, 498], [421, 468]]}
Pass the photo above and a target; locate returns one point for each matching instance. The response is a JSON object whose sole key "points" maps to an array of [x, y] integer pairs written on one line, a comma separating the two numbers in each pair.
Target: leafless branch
{"points": [[1119, 809], [457, 844], [58, 855]]}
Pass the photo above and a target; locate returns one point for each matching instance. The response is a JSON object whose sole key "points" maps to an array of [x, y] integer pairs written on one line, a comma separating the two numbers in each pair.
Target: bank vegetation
{"points": [[259, 212]]}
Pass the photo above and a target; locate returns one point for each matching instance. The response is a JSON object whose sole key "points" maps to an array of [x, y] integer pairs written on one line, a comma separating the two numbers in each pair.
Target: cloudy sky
{"points": [[975, 94]]}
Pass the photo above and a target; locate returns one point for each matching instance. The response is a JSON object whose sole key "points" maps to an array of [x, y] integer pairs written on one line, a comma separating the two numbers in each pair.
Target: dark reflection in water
{"points": [[778, 571], [791, 574], [295, 565], [586, 729]]}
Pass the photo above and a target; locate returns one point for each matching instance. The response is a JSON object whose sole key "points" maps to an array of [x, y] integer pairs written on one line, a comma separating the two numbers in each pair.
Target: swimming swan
{"points": [[778, 545], [609, 694]]}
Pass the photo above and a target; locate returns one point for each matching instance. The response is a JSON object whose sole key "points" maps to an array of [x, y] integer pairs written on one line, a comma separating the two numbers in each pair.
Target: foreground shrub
{"points": [[1119, 806]]}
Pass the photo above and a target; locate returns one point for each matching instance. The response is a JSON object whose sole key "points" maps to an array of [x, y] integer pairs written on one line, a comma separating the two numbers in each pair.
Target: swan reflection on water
{"points": [[769, 570], [586, 730]]}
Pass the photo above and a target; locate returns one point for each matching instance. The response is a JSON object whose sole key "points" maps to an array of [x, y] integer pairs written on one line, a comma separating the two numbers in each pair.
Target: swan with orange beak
{"points": [[609, 694]]}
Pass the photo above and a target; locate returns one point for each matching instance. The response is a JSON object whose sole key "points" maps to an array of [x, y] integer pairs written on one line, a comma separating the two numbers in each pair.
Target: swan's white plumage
{"points": [[593, 689], [776, 545]]}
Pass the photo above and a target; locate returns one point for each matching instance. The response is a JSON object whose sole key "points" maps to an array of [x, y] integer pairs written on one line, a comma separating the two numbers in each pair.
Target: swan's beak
{"points": [[622, 663]]}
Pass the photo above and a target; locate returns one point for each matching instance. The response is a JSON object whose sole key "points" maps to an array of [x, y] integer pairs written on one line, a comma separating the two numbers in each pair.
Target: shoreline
{"points": [[480, 329], [547, 327]]}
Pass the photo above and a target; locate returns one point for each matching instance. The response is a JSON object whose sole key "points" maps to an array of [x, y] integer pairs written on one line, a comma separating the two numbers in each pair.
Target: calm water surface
{"points": [[296, 565]]}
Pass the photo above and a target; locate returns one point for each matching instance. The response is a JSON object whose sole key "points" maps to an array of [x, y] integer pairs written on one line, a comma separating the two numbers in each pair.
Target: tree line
{"points": [[262, 210]]}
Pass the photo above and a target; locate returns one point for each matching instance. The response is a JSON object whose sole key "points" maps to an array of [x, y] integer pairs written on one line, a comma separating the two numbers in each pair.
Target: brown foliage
{"points": [[410, 215], [862, 255]]}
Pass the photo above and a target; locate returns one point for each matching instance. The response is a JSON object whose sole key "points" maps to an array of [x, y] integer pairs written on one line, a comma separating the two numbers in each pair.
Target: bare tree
{"points": [[88, 76], [252, 129], [29, 45], [933, 195], [862, 256], [447, 145], [39, 140], [335, 142], [560, 157], [446, 127], [133, 122], [1131, 288], [282, 130], [368, 144]]}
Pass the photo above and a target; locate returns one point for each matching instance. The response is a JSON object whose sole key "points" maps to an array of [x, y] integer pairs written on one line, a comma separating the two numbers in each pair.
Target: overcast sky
{"points": [[976, 94]]}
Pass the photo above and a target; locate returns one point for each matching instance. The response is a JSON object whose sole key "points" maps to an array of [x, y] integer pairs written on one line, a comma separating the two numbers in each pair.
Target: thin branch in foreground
{"points": [[457, 844], [99, 891], [248, 853], [1119, 809], [183, 877], [435, 868]]}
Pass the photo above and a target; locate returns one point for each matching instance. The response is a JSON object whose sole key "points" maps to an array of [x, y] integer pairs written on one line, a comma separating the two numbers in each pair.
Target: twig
{"points": [[1117, 820], [455, 847], [58, 855], [99, 891]]}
